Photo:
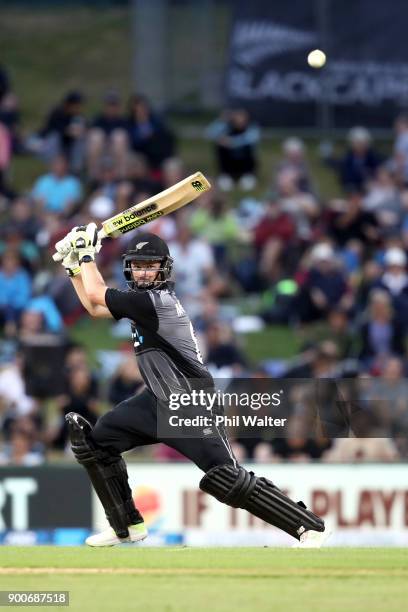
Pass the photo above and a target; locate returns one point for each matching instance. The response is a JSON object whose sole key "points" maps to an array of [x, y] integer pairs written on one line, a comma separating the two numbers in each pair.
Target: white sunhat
{"points": [[359, 134], [395, 257], [322, 252]]}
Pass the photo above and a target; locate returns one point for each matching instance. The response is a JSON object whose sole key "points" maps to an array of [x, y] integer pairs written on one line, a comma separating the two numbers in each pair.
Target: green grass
{"points": [[185, 579]]}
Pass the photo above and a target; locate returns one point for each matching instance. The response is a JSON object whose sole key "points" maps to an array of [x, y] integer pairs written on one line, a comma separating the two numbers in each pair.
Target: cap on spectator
{"points": [[322, 252], [358, 135], [395, 257], [293, 145]]}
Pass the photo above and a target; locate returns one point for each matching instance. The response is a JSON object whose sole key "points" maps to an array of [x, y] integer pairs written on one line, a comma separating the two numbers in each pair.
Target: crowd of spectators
{"points": [[334, 271]]}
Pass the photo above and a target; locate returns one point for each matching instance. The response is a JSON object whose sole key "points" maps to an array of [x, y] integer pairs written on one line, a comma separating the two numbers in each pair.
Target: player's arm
{"points": [[73, 269], [93, 284], [95, 310], [85, 288]]}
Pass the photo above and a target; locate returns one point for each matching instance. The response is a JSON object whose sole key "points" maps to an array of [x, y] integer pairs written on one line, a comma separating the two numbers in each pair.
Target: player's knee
{"points": [[229, 483]]}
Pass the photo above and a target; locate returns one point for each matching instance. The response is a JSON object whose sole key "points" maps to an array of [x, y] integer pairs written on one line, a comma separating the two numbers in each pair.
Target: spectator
{"points": [[394, 280], [24, 447], [15, 291], [148, 134], [222, 351], [22, 220], [107, 137], [384, 201], [273, 237], [213, 222], [57, 192], [235, 138], [324, 287], [360, 161], [199, 276], [64, 132], [381, 333], [387, 399], [294, 160], [349, 221], [302, 207]]}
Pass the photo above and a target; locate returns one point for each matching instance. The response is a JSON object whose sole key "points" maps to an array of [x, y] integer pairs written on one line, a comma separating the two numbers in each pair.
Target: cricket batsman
{"points": [[169, 358]]}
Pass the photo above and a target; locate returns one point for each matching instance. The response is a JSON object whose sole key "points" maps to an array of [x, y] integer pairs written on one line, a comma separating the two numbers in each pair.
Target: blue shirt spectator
{"points": [[15, 288], [58, 191]]}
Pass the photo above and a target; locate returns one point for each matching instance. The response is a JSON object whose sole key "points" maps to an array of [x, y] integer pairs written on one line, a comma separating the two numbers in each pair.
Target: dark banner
{"points": [[44, 498], [365, 78]]}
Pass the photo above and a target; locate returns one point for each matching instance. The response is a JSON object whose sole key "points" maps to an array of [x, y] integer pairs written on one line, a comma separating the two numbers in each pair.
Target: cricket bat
{"points": [[163, 203]]}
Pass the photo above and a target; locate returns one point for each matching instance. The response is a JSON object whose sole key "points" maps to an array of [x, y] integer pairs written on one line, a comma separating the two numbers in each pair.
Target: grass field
{"points": [[186, 579]]}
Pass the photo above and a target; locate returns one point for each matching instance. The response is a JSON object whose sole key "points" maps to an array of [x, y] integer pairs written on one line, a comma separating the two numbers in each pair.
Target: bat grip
{"points": [[60, 256]]}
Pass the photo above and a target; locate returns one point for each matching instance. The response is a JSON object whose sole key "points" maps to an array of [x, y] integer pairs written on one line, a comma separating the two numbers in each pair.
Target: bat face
{"points": [[159, 205]]}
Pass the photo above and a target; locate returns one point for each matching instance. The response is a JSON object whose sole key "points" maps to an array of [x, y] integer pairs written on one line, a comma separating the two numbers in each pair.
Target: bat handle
{"points": [[60, 256]]}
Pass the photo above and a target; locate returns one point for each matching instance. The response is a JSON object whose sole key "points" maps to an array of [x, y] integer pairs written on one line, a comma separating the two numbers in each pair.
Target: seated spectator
{"points": [[15, 291], [23, 220], [381, 333], [394, 281], [360, 161], [148, 134], [272, 237], [386, 398], [349, 221], [107, 137], [24, 447], [383, 200], [293, 159], [64, 132], [15, 401], [303, 207], [194, 271], [324, 287], [12, 240], [57, 192], [222, 351], [236, 138], [215, 224], [126, 382]]}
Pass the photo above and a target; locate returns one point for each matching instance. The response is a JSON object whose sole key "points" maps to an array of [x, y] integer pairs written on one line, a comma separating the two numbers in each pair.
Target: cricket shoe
{"points": [[137, 533], [312, 539]]}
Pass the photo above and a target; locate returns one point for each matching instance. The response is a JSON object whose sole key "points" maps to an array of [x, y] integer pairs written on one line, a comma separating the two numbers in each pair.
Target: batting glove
{"points": [[63, 247], [71, 264], [85, 242]]}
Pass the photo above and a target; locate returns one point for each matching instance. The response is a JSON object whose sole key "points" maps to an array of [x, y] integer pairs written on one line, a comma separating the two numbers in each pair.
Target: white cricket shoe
{"points": [[312, 539], [137, 533]]}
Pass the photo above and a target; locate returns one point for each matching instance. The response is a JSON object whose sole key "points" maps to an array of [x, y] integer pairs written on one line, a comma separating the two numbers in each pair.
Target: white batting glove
{"points": [[85, 242], [63, 246], [71, 264]]}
